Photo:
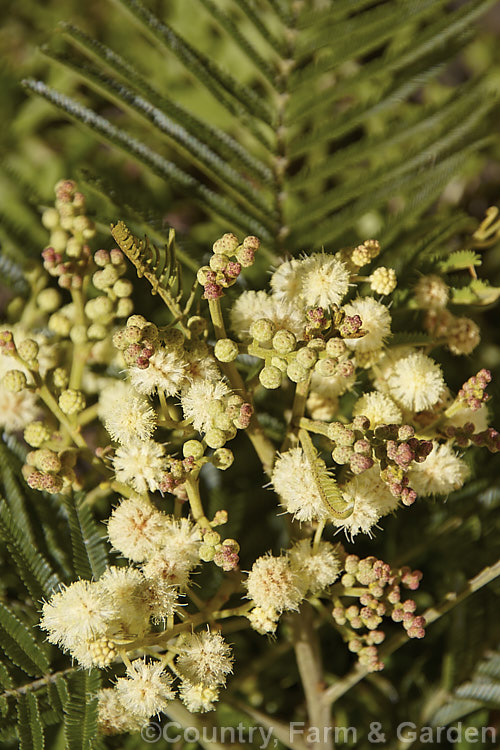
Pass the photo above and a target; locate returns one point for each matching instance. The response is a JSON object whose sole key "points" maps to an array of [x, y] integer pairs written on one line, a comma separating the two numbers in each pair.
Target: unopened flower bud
{"points": [[222, 458], [28, 349], [215, 438], [284, 342], [262, 330], [71, 402], [226, 350], [14, 381], [270, 377]]}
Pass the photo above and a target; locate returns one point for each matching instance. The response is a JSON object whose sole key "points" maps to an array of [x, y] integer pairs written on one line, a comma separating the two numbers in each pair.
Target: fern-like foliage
{"points": [[321, 131], [38, 687], [480, 692]]}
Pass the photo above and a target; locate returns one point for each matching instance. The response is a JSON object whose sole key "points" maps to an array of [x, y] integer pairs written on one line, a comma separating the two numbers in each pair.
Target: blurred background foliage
{"points": [[364, 139]]}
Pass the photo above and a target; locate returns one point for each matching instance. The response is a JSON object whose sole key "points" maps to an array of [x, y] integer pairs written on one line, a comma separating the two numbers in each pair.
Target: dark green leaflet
{"points": [[326, 485]]}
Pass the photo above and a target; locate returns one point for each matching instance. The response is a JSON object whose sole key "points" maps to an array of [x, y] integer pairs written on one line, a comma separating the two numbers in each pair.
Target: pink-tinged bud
{"points": [[361, 423], [142, 363], [102, 258], [116, 256], [360, 463], [233, 270], [65, 281], [346, 368], [76, 281], [252, 243], [394, 596], [405, 432], [350, 326], [212, 291], [408, 496], [245, 256]]}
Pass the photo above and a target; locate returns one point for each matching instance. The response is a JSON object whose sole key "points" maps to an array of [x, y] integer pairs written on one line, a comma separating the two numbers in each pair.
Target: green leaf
{"points": [[228, 24], [189, 146], [5, 678], [478, 292], [89, 551], [19, 645], [223, 207], [12, 491], [80, 711], [482, 691], [238, 99], [40, 579], [460, 259], [222, 143]]}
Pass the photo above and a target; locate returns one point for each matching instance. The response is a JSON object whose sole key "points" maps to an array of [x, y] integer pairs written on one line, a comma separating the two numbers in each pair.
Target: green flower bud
{"points": [[280, 363], [211, 538], [49, 299], [197, 325], [28, 350], [270, 377], [222, 458], [74, 247], [335, 347], [60, 324], [78, 334], [215, 438], [202, 275], [14, 381], [296, 372], [124, 307], [193, 448], [227, 244], [58, 240], [226, 350], [326, 367], [36, 434], [262, 330], [97, 332], [60, 377], [123, 288], [98, 308], [50, 218], [105, 278], [47, 460], [284, 342], [219, 262], [223, 422], [215, 408], [206, 552], [307, 357], [71, 401]]}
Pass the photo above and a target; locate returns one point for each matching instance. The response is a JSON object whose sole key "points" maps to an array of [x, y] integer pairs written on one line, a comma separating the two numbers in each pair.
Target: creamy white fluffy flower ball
{"points": [[136, 528], [147, 689], [324, 280], [273, 583], [372, 500], [198, 698], [125, 413], [376, 321], [251, 306], [292, 479], [139, 464], [197, 398], [166, 372], [204, 658], [441, 472], [80, 611], [416, 382], [378, 408], [319, 566]]}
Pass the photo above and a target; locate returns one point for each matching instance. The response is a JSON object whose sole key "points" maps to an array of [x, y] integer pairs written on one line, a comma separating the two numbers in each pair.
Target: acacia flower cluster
{"points": [[140, 415]]}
